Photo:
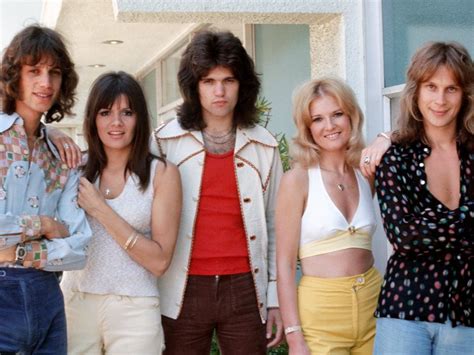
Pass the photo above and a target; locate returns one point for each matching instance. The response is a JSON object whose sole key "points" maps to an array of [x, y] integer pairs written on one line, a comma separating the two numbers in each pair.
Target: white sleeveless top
{"points": [[324, 228], [109, 269]]}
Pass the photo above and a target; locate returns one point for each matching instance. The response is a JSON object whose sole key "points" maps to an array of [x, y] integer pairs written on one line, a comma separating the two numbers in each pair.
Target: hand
{"points": [[372, 155], [299, 348], [274, 319], [51, 228], [68, 150], [89, 198], [8, 255]]}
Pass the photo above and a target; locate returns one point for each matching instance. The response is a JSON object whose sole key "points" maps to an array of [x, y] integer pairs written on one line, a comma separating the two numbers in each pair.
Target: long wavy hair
{"points": [[424, 63], [305, 151], [105, 90], [29, 47], [207, 50]]}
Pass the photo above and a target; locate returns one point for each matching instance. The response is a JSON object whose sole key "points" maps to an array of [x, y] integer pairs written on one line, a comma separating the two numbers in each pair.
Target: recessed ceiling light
{"points": [[96, 65], [113, 41]]}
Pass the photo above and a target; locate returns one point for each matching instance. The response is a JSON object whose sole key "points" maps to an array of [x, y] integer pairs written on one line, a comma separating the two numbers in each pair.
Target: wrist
{"points": [[8, 255], [385, 136]]}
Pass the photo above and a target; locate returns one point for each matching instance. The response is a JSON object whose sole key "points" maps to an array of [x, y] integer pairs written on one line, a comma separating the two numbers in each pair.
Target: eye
{"points": [[431, 86], [34, 70], [452, 89], [206, 81], [103, 113], [56, 72], [338, 114], [128, 113], [230, 80], [316, 118]]}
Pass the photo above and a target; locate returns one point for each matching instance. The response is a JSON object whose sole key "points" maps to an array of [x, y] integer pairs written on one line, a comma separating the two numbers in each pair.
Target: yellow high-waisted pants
{"points": [[337, 314]]}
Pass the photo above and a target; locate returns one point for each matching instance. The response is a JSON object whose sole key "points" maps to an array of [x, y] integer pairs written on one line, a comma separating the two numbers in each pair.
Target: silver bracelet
{"points": [[292, 329]]}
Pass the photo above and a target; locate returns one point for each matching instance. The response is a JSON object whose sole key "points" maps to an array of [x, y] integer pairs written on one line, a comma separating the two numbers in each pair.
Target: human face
{"points": [[218, 94], [116, 125], [330, 126], [39, 88], [440, 99]]}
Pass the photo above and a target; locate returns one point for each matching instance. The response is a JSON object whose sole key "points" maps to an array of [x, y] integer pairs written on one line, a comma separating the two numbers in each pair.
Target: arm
{"points": [[289, 210], [52, 245], [153, 254], [69, 151], [374, 152], [274, 318], [409, 228]]}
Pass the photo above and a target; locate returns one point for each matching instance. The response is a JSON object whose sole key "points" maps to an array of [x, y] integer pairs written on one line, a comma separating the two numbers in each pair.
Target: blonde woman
{"points": [[325, 217]]}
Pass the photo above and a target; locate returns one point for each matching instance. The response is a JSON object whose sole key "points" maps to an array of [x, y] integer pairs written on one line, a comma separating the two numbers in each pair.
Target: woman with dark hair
{"points": [[133, 203], [325, 217], [426, 196]]}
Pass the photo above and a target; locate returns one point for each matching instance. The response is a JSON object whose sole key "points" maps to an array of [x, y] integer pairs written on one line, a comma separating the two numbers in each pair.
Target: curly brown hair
{"points": [[424, 63], [30, 46], [207, 50]]}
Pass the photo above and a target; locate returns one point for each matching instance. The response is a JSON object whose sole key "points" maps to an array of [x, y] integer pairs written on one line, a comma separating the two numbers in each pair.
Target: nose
{"points": [[45, 80], [219, 89], [329, 124], [440, 98], [117, 119]]}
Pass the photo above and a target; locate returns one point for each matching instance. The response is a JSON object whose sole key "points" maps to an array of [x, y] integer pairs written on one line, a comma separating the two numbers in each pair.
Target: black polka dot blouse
{"points": [[429, 277]]}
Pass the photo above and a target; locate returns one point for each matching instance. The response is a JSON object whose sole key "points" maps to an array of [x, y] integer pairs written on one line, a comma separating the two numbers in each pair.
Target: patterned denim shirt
{"points": [[36, 186]]}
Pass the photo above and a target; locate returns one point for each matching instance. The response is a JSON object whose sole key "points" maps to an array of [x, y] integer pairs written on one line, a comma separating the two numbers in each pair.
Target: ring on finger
{"points": [[66, 146], [367, 160]]}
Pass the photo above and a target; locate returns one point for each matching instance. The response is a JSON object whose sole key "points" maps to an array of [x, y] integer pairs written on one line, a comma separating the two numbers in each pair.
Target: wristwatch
{"points": [[20, 254]]}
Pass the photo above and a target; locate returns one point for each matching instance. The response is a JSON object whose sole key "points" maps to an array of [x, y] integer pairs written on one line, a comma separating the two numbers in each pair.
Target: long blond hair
{"points": [[305, 151]]}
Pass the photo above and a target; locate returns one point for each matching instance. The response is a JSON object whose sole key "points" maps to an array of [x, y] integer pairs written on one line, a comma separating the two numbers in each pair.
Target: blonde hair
{"points": [[424, 64], [305, 151]]}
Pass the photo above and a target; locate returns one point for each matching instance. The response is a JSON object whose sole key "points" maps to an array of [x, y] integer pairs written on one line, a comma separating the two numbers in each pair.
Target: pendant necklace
{"points": [[341, 185]]}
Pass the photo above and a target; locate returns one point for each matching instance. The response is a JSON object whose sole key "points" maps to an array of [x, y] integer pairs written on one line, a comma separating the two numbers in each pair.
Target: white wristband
{"points": [[292, 329]]}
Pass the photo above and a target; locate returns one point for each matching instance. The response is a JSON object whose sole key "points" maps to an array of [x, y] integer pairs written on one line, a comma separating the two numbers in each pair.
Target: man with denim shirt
{"points": [[42, 229]]}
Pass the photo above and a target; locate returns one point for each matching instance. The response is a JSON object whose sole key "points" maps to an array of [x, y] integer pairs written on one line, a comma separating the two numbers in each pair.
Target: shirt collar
{"points": [[7, 121]]}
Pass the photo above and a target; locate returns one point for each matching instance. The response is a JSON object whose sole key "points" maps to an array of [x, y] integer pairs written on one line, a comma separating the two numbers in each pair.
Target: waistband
{"points": [[23, 273], [340, 283]]}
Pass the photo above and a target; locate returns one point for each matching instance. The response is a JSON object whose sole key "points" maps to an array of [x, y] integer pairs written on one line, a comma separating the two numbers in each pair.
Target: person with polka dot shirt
{"points": [[425, 189]]}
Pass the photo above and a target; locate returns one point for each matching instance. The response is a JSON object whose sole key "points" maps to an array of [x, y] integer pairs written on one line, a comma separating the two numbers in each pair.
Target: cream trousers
{"points": [[111, 324]]}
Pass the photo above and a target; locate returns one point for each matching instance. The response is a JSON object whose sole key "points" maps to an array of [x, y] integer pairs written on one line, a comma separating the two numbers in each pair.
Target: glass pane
{"points": [[407, 24], [170, 67]]}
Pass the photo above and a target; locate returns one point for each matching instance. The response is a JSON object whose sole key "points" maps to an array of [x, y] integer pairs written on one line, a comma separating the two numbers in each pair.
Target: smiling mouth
{"points": [[43, 96], [332, 135]]}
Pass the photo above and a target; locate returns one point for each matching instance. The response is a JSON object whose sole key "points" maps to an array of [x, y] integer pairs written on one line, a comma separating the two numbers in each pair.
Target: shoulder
{"points": [[295, 179], [165, 172], [261, 135], [170, 129]]}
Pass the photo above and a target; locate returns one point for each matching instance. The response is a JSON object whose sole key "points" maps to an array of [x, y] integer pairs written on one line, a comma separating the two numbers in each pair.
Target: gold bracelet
{"points": [[384, 135], [134, 241], [129, 240]]}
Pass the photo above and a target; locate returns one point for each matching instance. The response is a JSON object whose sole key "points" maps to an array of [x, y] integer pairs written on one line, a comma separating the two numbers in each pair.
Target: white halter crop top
{"points": [[324, 229]]}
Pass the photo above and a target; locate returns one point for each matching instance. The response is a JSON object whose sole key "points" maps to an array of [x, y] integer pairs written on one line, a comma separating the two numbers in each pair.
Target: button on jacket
{"points": [[258, 170]]}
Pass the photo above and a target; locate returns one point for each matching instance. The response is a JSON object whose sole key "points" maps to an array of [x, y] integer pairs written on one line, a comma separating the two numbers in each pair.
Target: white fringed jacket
{"points": [[258, 170]]}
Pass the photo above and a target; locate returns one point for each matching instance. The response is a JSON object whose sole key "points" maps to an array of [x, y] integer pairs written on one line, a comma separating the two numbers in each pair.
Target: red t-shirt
{"points": [[220, 245]]}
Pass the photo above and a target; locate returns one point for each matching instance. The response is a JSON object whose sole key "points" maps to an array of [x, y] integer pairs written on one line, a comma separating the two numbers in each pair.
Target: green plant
{"points": [[264, 110]]}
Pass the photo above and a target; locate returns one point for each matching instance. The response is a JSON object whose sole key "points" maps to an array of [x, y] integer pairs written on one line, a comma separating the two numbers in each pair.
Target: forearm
{"points": [[144, 251]]}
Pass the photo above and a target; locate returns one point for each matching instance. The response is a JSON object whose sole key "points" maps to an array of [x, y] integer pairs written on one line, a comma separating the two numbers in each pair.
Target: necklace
{"points": [[341, 185], [223, 139]]}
